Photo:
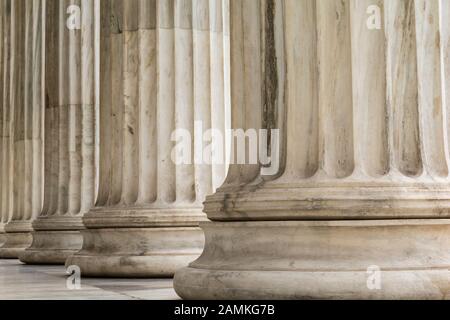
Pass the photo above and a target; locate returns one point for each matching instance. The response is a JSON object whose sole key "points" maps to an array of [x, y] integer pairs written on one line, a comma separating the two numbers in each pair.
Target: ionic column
{"points": [[362, 191], [24, 125], [70, 122], [161, 70]]}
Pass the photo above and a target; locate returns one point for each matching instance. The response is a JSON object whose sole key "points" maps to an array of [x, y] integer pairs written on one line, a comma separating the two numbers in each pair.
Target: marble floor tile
{"points": [[23, 282]]}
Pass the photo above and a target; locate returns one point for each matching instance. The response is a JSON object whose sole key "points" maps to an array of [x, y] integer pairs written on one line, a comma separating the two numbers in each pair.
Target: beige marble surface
{"points": [[21, 282]]}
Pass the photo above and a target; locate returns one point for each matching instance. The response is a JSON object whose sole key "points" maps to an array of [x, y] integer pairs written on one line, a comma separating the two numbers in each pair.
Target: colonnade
{"points": [[361, 148], [94, 92]]}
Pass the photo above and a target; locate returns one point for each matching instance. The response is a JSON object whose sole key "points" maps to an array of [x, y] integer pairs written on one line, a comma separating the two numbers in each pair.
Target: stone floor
{"points": [[21, 282]]}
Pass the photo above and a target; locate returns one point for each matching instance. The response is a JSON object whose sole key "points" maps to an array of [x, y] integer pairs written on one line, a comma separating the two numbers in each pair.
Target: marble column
{"points": [[23, 125], [70, 126], [161, 70], [360, 205], [3, 41]]}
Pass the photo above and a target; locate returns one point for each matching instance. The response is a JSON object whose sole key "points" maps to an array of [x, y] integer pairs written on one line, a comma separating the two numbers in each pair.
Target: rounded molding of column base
{"points": [[197, 284], [58, 223], [391, 259], [156, 216], [15, 244], [137, 252], [325, 200], [52, 247], [19, 227]]}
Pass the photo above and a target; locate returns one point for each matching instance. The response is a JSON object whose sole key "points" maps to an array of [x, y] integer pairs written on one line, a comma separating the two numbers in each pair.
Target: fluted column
{"points": [[162, 70], [70, 122], [363, 181], [7, 154], [24, 119], [3, 180]]}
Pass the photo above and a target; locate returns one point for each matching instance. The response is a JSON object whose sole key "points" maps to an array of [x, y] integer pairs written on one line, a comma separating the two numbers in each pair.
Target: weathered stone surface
{"points": [[362, 189], [137, 252], [320, 260]]}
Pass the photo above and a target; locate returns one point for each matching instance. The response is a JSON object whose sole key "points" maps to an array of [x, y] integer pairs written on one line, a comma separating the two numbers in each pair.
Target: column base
{"points": [[15, 244], [137, 252], [392, 259], [52, 247]]}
